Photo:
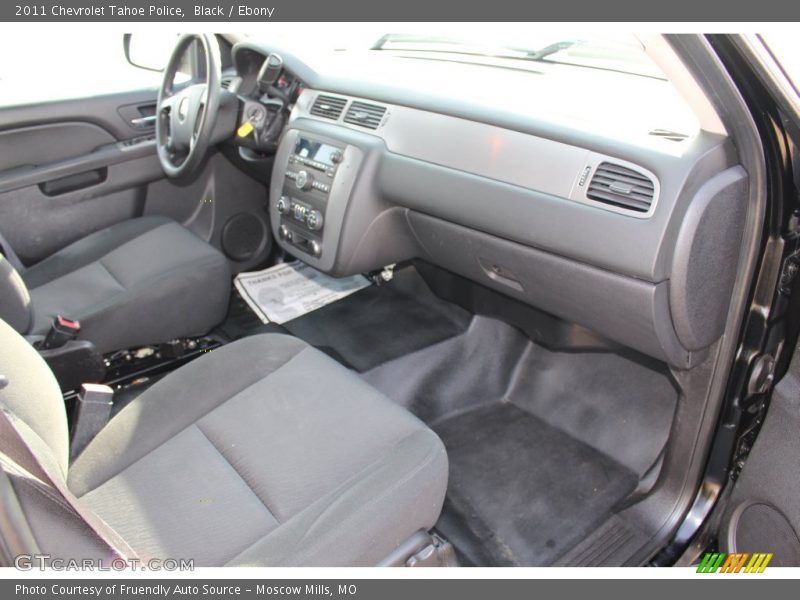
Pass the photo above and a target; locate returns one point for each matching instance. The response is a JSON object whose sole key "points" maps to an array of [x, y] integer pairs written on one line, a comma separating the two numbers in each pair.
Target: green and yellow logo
{"points": [[741, 562]]}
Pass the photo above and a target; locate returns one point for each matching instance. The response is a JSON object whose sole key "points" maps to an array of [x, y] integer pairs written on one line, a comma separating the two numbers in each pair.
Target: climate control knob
{"points": [[304, 180], [283, 205], [314, 220]]}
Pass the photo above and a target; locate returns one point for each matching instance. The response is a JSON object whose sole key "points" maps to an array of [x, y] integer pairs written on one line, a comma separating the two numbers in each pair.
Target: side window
{"points": [[66, 64], [784, 48]]}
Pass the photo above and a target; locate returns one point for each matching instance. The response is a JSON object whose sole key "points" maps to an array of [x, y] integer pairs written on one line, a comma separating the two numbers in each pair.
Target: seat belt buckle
{"points": [[62, 330], [92, 412]]}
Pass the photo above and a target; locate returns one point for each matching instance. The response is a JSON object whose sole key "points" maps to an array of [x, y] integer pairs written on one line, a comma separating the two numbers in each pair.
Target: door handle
{"points": [[144, 121]]}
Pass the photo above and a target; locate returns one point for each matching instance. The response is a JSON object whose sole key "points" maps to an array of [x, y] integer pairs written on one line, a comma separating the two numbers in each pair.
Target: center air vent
{"points": [[328, 107], [621, 187], [365, 115]]}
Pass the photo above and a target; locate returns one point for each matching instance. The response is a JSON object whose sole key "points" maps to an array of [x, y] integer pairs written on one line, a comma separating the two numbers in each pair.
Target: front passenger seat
{"points": [[141, 281], [264, 452]]}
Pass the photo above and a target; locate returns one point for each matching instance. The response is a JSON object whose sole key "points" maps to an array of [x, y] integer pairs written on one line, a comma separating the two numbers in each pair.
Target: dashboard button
{"points": [[299, 212], [314, 220], [283, 205], [304, 180]]}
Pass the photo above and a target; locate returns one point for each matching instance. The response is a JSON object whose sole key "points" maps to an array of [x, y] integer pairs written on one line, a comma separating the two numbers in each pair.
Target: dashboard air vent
{"points": [[667, 134], [230, 83], [328, 107], [621, 187], [365, 115]]}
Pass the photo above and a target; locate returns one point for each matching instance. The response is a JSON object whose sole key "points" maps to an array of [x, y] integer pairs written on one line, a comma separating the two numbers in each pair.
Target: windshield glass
{"points": [[506, 44], [603, 82], [624, 55]]}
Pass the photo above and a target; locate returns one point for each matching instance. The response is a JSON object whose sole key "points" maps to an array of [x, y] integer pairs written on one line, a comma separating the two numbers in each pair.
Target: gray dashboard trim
{"points": [[482, 113], [582, 264], [706, 254], [493, 197], [572, 229], [579, 230], [559, 217], [624, 309], [497, 153]]}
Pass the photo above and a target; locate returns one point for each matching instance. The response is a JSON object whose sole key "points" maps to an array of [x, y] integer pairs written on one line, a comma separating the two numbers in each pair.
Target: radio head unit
{"points": [[309, 175], [317, 152], [322, 202]]}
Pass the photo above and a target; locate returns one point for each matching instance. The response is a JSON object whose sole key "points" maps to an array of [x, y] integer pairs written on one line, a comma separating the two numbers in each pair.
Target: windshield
{"points": [[624, 55], [504, 45]]}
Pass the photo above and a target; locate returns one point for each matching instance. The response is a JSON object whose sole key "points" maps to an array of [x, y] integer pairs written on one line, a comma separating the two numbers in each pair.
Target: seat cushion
{"points": [[143, 281], [266, 452]]}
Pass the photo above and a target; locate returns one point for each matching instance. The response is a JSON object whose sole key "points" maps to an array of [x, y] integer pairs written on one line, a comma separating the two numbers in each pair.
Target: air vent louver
{"points": [[365, 115], [667, 134], [621, 187], [230, 83], [328, 107]]}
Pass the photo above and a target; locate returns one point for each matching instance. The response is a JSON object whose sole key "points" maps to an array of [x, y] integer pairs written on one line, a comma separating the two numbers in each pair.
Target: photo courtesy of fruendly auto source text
{"points": [[436, 300]]}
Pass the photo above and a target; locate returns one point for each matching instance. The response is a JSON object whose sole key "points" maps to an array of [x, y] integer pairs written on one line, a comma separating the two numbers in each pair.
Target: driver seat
{"points": [[142, 281]]}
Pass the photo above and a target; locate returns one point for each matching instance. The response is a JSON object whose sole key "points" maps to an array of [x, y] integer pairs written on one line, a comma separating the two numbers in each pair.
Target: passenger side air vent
{"points": [[365, 115], [328, 107], [621, 187]]}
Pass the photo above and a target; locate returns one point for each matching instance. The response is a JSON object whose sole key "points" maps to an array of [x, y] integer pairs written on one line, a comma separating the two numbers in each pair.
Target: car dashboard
{"points": [[602, 225]]}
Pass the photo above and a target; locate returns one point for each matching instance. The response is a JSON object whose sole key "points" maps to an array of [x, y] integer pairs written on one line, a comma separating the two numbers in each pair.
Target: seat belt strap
{"points": [[15, 531], [14, 446], [10, 255]]}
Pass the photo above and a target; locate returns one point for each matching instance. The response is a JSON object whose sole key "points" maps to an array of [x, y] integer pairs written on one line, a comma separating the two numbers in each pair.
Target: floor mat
{"points": [[455, 375], [542, 444], [525, 490], [618, 404], [370, 327]]}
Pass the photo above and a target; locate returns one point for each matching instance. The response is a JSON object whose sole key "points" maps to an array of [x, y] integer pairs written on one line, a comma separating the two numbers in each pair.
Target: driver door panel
{"points": [[78, 166], [74, 169]]}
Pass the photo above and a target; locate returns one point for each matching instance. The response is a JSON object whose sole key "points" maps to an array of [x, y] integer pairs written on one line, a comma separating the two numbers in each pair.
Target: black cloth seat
{"points": [[142, 281], [264, 452]]}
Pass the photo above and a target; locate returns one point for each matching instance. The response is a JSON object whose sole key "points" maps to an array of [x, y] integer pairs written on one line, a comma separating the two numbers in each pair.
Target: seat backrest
{"points": [[60, 525], [15, 301], [33, 395]]}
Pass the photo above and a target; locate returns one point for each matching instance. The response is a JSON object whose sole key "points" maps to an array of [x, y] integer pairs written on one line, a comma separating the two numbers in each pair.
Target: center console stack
{"points": [[326, 207], [309, 179], [312, 188]]}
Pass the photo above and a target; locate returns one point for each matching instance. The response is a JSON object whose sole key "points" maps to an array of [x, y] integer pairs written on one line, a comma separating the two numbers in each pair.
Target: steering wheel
{"points": [[186, 115]]}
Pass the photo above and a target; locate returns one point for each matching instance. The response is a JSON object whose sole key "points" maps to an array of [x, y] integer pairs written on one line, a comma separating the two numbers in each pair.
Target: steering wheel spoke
{"points": [[167, 103]]}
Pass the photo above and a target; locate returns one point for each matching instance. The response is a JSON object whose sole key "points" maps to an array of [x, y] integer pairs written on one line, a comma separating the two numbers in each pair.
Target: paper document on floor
{"points": [[290, 290]]}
